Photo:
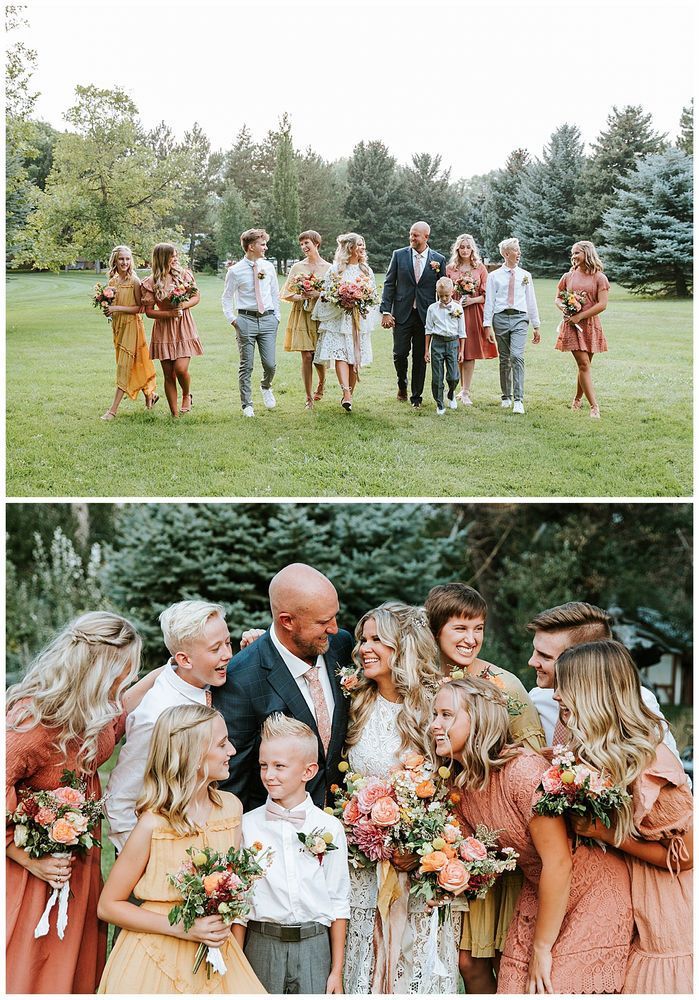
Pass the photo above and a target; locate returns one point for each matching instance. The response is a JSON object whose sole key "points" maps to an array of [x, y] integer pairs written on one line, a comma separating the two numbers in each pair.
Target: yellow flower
{"points": [[444, 772], [199, 859], [343, 766], [328, 810], [567, 777], [328, 837], [439, 843]]}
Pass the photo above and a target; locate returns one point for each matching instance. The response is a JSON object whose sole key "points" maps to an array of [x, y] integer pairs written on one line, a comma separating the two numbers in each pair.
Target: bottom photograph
{"points": [[319, 748]]}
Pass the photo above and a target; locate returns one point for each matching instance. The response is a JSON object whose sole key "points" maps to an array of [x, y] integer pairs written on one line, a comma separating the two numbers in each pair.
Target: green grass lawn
{"points": [[60, 378]]}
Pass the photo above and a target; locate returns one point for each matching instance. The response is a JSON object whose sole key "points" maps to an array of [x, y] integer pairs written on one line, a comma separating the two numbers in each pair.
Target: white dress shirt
{"points": [[297, 888], [298, 668], [497, 290], [126, 780], [441, 321], [239, 288]]}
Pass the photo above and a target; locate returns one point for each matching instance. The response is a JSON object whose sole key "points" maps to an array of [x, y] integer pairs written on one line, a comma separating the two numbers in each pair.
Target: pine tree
{"points": [[543, 218], [373, 201], [648, 232], [284, 206], [499, 200], [199, 187], [233, 219], [322, 194], [685, 140], [426, 193]]}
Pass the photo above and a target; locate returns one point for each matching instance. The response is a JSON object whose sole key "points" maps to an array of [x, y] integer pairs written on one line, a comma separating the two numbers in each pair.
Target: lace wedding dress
{"points": [[429, 957], [335, 325]]}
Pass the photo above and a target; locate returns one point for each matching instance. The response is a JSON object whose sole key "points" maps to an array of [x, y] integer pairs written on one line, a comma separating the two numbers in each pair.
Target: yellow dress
{"points": [[156, 963], [487, 921], [135, 370], [301, 332]]}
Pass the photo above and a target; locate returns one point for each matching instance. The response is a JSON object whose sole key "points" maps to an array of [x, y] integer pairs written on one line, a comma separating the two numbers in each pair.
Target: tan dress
{"points": [[135, 370], [301, 332], [156, 963], [170, 338], [590, 337]]}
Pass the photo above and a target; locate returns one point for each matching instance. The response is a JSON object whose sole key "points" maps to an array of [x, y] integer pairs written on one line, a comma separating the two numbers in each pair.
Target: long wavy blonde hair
{"points": [[592, 262], [488, 745], [163, 269], [455, 260], [180, 740], [611, 728], [346, 244], [414, 669], [74, 685], [113, 260]]}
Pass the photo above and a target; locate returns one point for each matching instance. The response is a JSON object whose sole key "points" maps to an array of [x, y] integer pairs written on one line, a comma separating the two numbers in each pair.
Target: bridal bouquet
{"points": [[464, 285], [349, 295], [573, 302], [572, 787], [213, 883], [103, 295], [182, 293], [306, 284], [58, 822]]}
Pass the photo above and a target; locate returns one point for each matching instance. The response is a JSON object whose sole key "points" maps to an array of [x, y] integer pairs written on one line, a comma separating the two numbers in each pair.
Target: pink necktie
{"points": [[320, 705], [297, 817], [560, 733], [418, 268], [208, 697], [258, 290], [511, 291]]}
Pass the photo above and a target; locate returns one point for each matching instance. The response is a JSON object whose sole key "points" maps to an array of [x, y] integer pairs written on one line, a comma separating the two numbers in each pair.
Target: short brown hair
{"points": [[453, 600], [585, 622], [312, 235], [250, 236]]}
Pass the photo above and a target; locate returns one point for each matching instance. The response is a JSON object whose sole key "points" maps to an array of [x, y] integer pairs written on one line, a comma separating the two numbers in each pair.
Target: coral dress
{"points": [[156, 963], [661, 951], [135, 370], [301, 331], [592, 338], [478, 346], [47, 964], [592, 946], [170, 338]]}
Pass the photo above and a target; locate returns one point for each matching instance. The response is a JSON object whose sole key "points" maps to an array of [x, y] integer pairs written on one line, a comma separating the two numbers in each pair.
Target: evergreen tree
{"points": [[500, 197], [685, 140], [543, 218], [322, 194], [250, 166], [427, 194], [198, 187], [648, 232], [373, 201], [233, 219], [284, 209]]}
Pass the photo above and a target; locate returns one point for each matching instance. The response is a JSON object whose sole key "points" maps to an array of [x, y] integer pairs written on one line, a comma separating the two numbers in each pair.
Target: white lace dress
{"points": [[335, 325], [433, 967]]}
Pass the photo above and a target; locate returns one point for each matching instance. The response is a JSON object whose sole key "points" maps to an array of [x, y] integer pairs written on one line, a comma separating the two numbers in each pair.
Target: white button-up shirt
{"points": [[298, 667], [297, 889], [126, 780], [239, 288], [441, 321], [497, 292]]}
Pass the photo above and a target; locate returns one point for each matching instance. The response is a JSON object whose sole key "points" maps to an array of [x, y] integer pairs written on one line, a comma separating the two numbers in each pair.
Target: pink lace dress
{"points": [[661, 951], [592, 947]]}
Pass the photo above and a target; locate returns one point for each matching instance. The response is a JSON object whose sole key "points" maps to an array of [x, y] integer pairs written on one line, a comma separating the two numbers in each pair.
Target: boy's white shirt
{"points": [[297, 888]]}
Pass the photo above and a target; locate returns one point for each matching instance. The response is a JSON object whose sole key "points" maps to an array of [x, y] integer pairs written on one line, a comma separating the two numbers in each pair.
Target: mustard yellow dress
{"points": [[487, 920], [301, 332], [156, 963], [135, 370]]}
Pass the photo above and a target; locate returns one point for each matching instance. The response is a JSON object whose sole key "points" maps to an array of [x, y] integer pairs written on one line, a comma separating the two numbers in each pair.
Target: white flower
{"points": [[21, 834]]}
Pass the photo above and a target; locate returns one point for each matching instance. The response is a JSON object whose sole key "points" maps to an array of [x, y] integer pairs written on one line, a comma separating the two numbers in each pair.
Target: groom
{"points": [[408, 291], [291, 669]]}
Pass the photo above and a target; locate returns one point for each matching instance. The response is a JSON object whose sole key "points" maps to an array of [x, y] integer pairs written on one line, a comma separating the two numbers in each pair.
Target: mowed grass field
{"points": [[60, 379]]}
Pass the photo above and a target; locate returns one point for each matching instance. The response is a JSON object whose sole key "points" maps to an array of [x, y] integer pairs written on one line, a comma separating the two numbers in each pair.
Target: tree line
{"points": [[105, 180]]}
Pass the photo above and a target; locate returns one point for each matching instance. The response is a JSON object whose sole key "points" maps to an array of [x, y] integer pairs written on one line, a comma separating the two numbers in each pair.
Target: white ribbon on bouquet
{"points": [[214, 958], [58, 895]]}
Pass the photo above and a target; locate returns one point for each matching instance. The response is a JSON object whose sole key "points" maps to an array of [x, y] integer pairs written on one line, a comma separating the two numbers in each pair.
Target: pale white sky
{"points": [[471, 81]]}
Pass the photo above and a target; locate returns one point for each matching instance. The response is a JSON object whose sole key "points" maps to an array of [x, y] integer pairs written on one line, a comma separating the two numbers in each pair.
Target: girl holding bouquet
{"points": [[135, 370], [583, 294], [466, 269], [179, 808], [301, 330], [174, 338], [67, 713], [598, 689], [344, 331], [571, 930]]}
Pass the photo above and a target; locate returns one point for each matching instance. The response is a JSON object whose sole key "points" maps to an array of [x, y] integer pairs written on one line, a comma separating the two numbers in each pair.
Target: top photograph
{"points": [[348, 250]]}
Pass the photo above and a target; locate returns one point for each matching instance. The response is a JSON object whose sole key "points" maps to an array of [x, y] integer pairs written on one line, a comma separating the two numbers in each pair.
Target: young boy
{"points": [[196, 634], [445, 339], [296, 928]]}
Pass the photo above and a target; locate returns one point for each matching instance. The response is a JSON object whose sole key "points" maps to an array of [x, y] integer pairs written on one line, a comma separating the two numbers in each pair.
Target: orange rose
{"points": [[211, 882], [425, 790], [455, 798], [69, 796], [45, 816], [411, 761], [385, 812], [350, 682], [454, 877], [257, 846], [433, 862], [351, 812], [450, 852], [63, 833]]}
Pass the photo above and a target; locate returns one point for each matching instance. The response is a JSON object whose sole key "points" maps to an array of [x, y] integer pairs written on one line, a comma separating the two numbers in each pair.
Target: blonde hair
{"points": [[592, 262], [283, 727], [444, 284], [251, 236], [488, 745], [181, 738], [163, 268], [68, 686], [415, 673], [509, 244], [113, 260], [455, 260], [186, 620], [611, 728], [346, 243]]}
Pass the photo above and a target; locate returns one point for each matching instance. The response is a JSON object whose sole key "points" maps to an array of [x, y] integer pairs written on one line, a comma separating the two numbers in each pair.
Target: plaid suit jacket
{"points": [[258, 684]]}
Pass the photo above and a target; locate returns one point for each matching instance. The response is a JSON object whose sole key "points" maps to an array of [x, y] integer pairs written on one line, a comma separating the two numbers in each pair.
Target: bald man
{"points": [[408, 292], [291, 669]]}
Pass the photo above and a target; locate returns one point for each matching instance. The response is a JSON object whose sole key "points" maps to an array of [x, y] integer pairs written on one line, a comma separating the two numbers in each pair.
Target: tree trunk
{"points": [[192, 248], [81, 513], [681, 290]]}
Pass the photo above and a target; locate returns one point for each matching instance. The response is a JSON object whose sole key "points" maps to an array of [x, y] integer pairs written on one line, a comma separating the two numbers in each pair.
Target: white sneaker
{"points": [[440, 411], [518, 407], [248, 411], [452, 404], [506, 404], [268, 398]]}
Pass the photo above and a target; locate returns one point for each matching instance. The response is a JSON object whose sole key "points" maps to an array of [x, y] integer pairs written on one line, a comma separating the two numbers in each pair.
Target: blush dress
{"points": [[478, 347], [170, 338], [590, 337]]}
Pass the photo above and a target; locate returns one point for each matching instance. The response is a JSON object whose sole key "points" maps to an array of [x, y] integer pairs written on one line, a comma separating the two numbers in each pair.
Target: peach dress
{"points": [[478, 346], [661, 951], [170, 338], [135, 370], [592, 946], [592, 338], [47, 964]]}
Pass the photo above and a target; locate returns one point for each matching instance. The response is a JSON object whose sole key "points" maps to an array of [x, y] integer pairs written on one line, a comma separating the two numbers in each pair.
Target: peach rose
{"points": [[385, 812], [63, 833], [551, 780], [212, 882], [69, 796], [350, 682], [351, 813], [433, 862], [45, 816], [450, 833], [472, 850], [425, 790], [454, 877], [257, 846], [78, 821], [411, 761], [373, 790]]}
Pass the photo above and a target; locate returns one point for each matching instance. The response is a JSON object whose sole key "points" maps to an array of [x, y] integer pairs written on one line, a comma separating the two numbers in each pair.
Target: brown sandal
{"points": [[318, 394], [186, 409]]}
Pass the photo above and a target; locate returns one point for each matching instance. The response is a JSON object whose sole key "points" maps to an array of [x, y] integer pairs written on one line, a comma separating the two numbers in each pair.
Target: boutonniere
{"points": [[436, 266], [525, 279], [261, 275], [456, 311], [349, 678], [318, 842]]}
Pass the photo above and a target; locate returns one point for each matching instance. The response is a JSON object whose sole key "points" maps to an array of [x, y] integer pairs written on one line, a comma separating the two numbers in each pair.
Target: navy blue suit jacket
{"points": [[400, 289]]}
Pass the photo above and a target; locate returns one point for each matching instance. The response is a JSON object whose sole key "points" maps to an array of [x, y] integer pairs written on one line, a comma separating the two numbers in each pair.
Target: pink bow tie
{"points": [[296, 817]]}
